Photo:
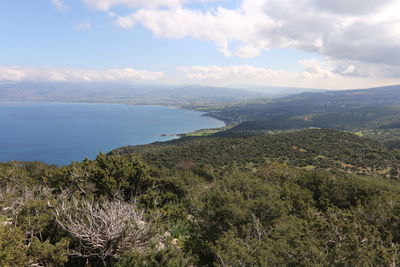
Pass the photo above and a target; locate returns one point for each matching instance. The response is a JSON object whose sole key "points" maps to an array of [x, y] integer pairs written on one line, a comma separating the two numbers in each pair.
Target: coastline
{"points": [[200, 132], [163, 134], [202, 109]]}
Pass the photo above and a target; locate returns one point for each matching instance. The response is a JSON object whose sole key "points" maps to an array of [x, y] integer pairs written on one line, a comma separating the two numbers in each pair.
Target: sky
{"points": [[329, 44]]}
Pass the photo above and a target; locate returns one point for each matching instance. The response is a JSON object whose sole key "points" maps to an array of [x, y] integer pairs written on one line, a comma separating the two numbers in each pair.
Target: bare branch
{"points": [[106, 229]]}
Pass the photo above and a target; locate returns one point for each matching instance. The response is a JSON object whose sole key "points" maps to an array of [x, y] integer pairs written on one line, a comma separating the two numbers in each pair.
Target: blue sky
{"points": [[249, 42]]}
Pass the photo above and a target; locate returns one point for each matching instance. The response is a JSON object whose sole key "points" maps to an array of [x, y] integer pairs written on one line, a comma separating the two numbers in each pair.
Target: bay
{"points": [[58, 133]]}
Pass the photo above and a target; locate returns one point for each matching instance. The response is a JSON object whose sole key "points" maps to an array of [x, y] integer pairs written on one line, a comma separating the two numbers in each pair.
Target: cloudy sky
{"points": [[334, 44]]}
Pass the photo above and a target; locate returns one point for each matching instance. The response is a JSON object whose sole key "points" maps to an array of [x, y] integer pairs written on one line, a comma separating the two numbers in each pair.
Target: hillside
{"points": [[357, 119], [310, 104], [212, 201], [278, 91], [315, 148], [373, 112], [258, 194]]}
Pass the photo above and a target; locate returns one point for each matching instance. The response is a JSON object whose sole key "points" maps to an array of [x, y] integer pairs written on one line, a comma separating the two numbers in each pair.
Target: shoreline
{"points": [[200, 109], [158, 137], [200, 132], [204, 110]]}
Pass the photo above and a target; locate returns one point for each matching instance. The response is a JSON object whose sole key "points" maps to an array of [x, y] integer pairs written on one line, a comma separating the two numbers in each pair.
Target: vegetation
{"points": [[326, 150], [262, 193], [373, 113], [377, 101], [390, 137], [206, 132], [208, 201]]}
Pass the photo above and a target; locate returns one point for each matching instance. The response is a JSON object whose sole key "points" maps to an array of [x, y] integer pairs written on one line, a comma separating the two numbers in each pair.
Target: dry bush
{"points": [[12, 199], [105, 229]]}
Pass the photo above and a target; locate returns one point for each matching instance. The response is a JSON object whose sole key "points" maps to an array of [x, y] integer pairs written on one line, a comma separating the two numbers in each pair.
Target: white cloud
{"points": [[350, 6], [359, 39], [61, 75], [223, 26], [316, 74], [361, 30], [83, 26], [107, 4], [60, 5], [223, 73]]}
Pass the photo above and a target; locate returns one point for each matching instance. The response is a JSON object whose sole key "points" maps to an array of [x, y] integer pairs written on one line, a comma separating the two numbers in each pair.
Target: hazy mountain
{"points": [[311, 103], [377, 95], [182, 95], [277, 91]]}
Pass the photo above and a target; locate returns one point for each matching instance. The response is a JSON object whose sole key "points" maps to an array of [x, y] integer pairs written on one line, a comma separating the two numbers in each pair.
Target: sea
{"points": [[59, 133]]}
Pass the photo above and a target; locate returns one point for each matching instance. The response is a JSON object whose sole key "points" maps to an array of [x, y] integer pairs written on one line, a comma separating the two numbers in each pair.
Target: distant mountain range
{"points": [[123, 93], [277, 91], [180, 95], [386, 95], [373, 109]]}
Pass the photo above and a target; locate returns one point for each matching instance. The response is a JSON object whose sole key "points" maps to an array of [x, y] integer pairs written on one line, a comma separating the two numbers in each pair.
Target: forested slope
{"points": [[311, 103], [312, 148], [349, 120], [214, 201], [118, 211]]}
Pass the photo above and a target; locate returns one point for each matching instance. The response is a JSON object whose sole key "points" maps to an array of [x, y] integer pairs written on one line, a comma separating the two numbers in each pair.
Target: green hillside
{"points": [[314, 148], [311, 103], [199, 209], [373, 112], [265, 192]]}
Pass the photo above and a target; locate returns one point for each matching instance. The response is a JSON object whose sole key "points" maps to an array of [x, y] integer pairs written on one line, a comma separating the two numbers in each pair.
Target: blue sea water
{"points": [[58, 133]]}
